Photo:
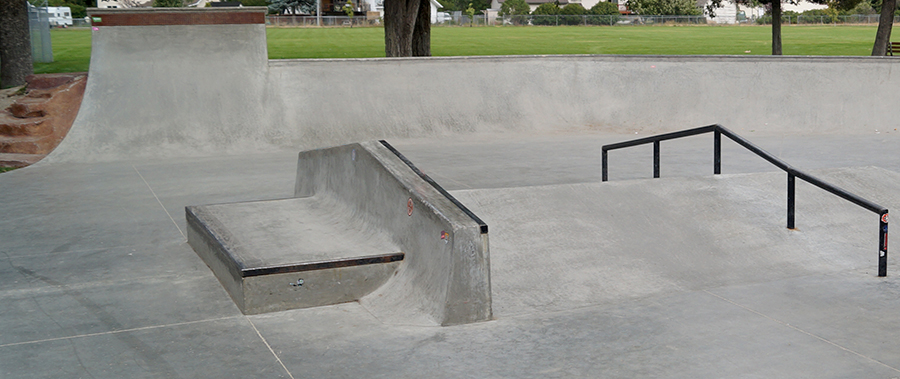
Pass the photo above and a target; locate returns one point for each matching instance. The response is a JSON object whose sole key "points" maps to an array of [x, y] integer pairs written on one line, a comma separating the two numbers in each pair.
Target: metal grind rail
{"points": [[792, 174]]}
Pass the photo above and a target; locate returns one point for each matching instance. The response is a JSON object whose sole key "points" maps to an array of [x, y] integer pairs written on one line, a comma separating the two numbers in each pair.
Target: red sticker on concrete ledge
{"points": [[409, 207]]}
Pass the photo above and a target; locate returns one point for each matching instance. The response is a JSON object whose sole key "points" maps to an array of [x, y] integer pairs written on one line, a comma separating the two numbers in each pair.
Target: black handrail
{"points": [[718, 131]]}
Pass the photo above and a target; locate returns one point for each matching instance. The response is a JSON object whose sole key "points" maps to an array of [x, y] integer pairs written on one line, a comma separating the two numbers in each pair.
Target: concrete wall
{"points": [[445, 275], [187, 90], [435, 96]]}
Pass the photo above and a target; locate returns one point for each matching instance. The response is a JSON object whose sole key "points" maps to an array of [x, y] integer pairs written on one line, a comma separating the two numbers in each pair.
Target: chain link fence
{"points": [[562, 20], [800, 19], [39, 28], [611, 20], [326, 21]]}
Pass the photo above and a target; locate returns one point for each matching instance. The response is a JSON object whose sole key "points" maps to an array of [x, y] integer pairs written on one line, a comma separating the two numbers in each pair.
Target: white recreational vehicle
{"points": [[55, 16], [60, 16]]}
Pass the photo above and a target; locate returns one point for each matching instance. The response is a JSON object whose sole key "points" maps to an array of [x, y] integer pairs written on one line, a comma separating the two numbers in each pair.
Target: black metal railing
{"points": [[792, 174]]}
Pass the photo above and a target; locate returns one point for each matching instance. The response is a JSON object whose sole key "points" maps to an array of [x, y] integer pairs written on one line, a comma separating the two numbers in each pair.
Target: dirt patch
{"points": [[9, 96], [34, 122]]}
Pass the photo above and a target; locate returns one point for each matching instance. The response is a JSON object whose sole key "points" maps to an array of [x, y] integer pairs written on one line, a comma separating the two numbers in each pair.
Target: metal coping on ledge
{"points": [[481, 224], [323, 265]]}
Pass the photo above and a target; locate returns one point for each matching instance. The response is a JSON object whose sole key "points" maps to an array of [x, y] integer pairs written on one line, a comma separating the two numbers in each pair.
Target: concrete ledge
{"points": [[445, 275], [286, 254]]}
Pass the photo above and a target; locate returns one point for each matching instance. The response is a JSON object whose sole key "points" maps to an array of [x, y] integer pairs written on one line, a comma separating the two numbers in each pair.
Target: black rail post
{"points": [[882, 244], [717, 152], [604, 176], [655, 159], [790, 201]]}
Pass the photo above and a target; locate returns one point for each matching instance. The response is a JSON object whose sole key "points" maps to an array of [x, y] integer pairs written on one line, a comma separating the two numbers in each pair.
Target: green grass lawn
{"points": [[71, 47], [71, 51]]}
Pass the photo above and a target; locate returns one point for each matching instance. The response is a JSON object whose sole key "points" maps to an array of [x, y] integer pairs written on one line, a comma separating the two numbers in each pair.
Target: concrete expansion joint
{"points": [[802, 331]]}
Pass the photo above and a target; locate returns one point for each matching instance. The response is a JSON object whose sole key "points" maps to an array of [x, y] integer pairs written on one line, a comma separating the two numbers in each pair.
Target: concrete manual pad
{"points": [[290, 253], [593, 243]]}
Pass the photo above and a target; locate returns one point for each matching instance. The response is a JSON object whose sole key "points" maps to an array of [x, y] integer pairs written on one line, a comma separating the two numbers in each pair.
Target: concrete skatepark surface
{"points": [[688, 276], [100, 282]]}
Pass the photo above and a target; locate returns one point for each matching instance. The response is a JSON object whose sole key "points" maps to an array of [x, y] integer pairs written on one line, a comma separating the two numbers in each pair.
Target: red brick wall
{"points": [[162, 17]]}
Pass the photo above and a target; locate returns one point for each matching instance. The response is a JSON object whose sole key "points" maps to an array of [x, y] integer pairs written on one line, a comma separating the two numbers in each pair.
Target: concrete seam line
{"points": [[802, 331], [117, 331], [270, 348], [160, 202]]}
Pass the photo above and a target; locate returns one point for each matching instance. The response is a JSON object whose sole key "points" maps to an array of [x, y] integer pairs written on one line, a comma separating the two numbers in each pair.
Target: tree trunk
{"points": [[15, 43], [399, 24], [421, 39], [885, 23], [776, 27]]}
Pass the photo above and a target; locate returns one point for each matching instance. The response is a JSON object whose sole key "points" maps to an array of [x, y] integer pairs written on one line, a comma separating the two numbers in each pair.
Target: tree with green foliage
{"points": [[546, 9], [15, 43], [77, 7], [78, 11], [470, 11], [348, 10], [604, 13], [776, 14], [665, 7], [827, 15], [605, 7], [877, 4], [572, 14], [514, 7], [864, 7], [573, 9], [292, 6], [168, 3], [545, 14], [462, 5]]}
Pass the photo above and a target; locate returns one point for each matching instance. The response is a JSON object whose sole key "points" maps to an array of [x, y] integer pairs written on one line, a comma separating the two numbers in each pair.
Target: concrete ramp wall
{"points": [[445, 275], [437, 96], [177, 83]]}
